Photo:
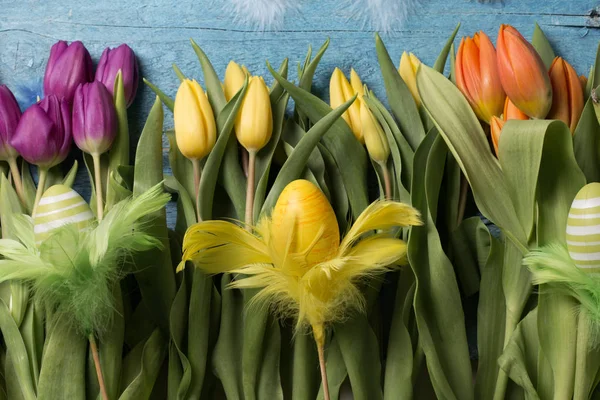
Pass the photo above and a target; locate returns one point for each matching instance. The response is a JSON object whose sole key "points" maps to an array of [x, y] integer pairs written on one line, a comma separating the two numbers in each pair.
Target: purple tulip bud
{"points": [[112, 60], [68, 66], [94, 118], [43, 136], [10, 113]]}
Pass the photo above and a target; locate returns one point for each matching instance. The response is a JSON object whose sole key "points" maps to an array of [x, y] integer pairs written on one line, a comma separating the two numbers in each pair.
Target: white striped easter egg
{"points": [[60, 205], [583, 228]]}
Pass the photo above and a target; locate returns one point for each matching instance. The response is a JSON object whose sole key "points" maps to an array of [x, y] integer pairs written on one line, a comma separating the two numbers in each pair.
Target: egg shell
{"points": [[583, 229], [59, 206]]}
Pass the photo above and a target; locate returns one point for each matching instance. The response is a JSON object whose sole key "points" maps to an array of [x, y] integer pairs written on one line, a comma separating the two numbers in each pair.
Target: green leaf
{"points": [[29, 188], [462, 132], [349, 155], [63, 364], [9, 204], [180, 373], [32, 331], [69, 179], [399, 97], [144, 367], [111, 346], [587, 358], [335, 184], [294, 165], [156, 274], [18, 353], [180, 75], [586, 142], [595, 81], [214, 163], [187, 206], [277, 90], [440, 62], [467, 241], [438, 307], [542, 45], [308, 72], [119, 152], [305, 377], [169, 102], [519, 359], [211, 80]]}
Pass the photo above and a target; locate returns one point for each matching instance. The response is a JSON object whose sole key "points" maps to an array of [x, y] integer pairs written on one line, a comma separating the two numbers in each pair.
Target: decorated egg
{"points": [[583, 228], [59, 206]]}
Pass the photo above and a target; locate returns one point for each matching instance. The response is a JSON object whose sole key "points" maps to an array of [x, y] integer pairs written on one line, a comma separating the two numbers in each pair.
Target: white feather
{"points": [[259, 14], [383, 15]]}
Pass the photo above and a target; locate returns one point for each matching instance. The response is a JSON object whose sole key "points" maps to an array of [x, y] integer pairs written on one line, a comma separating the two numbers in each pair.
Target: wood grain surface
{"points": [[159, 32]]}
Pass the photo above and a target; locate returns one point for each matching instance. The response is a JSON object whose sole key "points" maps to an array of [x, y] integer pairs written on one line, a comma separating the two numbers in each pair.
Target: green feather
{"points": [[552, 265], [74, 272]]}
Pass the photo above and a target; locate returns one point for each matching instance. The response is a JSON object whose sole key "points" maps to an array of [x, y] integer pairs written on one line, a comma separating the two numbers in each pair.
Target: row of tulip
{"points": [[293, 264]]}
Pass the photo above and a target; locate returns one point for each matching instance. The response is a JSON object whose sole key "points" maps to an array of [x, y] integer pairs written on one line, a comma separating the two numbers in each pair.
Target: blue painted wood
{"points": [[159, 32]]}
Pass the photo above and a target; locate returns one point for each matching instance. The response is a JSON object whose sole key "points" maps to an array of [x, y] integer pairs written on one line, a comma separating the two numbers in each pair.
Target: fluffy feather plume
{"points": [[383, 15], [74, 272], [259, 14], [313, 294], [552, 265]]}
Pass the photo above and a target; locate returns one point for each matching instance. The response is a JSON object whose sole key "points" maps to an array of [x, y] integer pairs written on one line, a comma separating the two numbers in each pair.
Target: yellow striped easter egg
{"points": [[583, 228], [60, 205]]}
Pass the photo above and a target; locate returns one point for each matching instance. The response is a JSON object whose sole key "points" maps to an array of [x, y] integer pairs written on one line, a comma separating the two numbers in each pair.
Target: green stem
{"points": [[98, 186], [462, 199], [96, 357], [250, 191], [582, 381], [197, 176], [16, 175], [43, 174], [387, 181]]}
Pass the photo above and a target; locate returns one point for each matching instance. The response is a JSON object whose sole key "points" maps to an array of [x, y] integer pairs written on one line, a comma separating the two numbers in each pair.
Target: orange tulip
{"points": [[477, 76], [523, 74], [567, 104], [496, 125], [583, 80], [512, 112]]}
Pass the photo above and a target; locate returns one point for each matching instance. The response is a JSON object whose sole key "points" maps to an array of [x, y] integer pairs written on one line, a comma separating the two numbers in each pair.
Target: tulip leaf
{"points": [[452, 64], [335, 184], [440, 62], [438, 307], [17, 352], [294, 165], [63, 364], [156, 276], [586, 142], [169, 102], [264, 157], [308, 72], [277, 90], [181, 167], [119, 152], [180, 75], [111, 346], [399, 98], [465, 138], [211, 80], [142, 367], [9, 204], [398, 381], [215, 163], [349, 155], [33, 331], [595, 81], [519, 359], [180, 373], [29, 188], [305, 378], [69, 179], [187, 205], [466, 240], [542, 45]]}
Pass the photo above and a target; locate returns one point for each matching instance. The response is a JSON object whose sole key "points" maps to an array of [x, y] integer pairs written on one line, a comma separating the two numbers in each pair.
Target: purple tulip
{"points": [[112, 60], [10, 113], [68, 66], [94, 118], [43, 136]]}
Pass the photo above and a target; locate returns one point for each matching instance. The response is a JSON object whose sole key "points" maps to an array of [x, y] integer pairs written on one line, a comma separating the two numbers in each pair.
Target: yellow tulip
{"points": [[375, 139], [409, 64], [254, 124], [340, 91], [234, 79], [195, 129]]}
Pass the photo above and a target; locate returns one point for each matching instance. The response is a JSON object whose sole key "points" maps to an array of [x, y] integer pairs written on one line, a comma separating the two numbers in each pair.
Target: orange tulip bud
{"points": [[477, 76], [496, 125], [523, 74], [512, 112], [567, 103], [583, 80]]}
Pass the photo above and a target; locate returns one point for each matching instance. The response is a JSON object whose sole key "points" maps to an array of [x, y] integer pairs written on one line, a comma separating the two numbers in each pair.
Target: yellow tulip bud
{"points": [[254, 124], [375, 139], [356, 83], [304, 217], [409, 64], [195, 129], [340, 91], [234, 79]]}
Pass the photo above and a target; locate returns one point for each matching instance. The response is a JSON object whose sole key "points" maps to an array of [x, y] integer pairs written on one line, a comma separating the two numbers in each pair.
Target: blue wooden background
{"points": [[159, 32]]}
